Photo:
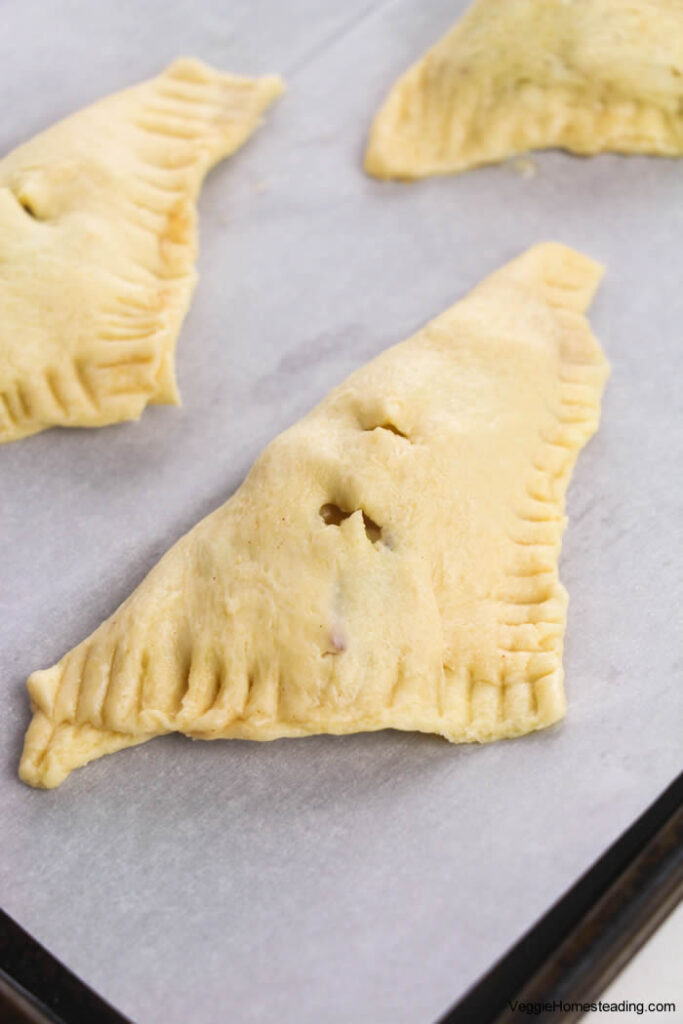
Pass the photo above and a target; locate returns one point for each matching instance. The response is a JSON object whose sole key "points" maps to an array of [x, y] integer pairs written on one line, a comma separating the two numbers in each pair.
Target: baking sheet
{"points": [[366, 878]]}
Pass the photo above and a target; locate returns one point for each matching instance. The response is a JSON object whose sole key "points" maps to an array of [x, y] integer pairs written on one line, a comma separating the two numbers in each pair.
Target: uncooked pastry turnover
{"points": [[584, 75], [98, 241], [390, 561]]}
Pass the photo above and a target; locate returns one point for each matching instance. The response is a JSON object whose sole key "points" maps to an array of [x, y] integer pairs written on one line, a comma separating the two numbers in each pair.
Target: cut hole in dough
{"points": [[372, 531], [391, 427], [27, 207], [333, 515]]}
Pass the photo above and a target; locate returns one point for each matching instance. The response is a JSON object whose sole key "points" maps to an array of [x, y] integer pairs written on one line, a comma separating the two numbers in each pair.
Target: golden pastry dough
{"points": [[390, 561], [97, 246], [585, 75]]}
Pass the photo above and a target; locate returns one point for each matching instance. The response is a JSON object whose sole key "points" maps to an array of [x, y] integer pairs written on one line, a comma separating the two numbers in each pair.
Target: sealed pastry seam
{"points": [[98, 245], [587, 76], [391, 561]]}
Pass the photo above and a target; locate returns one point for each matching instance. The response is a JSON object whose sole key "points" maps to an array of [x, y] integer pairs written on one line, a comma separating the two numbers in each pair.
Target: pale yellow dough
{"points": [[98, 242], [390, 561], [514, 75]]}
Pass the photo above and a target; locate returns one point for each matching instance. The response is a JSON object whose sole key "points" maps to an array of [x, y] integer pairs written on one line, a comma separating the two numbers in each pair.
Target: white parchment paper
{"points": [[370, 878]]}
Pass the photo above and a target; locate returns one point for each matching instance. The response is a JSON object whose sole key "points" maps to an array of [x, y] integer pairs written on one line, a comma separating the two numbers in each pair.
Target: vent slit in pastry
{"points": [[390, 428], [27, 208], [372, 531], [333, 515], [275, 616], [98, 229], [587, 76]]}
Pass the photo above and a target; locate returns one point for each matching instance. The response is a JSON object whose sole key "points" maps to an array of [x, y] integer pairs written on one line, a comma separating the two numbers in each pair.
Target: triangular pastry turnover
{"points": [[390, 560], [514, 75], [98, 242]]}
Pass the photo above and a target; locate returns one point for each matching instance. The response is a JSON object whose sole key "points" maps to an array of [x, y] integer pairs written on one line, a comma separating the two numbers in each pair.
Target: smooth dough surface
{"points": [[390, 561], [98, 243], [515, 75]]}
